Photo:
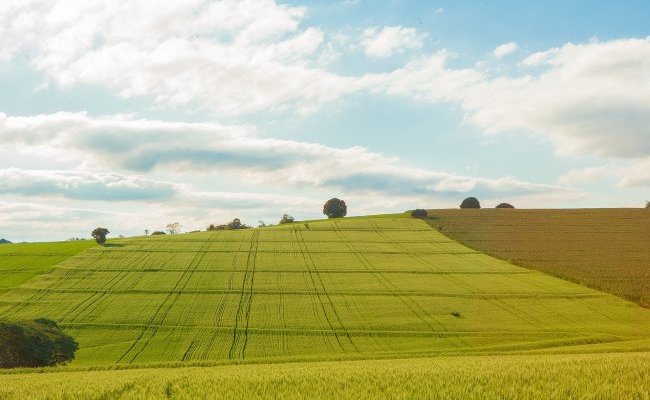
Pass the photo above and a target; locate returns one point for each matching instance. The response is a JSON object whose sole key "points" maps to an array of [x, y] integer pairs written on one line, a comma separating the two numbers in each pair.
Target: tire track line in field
{"points": [[252, 260], [242, 305], [310, 264], [221, 305], [171, 298]]}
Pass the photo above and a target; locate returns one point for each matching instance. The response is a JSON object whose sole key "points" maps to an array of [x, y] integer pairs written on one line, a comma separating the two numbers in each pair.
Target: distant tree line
{"points": [[233, 225], [38, 343]]}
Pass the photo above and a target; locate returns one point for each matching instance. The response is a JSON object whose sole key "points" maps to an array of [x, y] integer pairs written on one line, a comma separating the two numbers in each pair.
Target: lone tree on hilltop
{"points": [[335, 208], [505, 205], [419, 213], [286, 219], [100, 235], [237, 224], [470, 202]]}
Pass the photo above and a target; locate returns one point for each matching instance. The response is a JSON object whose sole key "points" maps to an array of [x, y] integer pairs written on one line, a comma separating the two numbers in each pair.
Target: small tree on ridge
{"points": [[335, 208], [286, 219], [470, 202], [100, 235]]}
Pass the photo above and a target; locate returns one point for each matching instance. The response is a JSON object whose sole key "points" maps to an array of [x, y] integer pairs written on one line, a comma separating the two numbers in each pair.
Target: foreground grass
{"points": [[606, 249], [20, 262], [584, 376]]}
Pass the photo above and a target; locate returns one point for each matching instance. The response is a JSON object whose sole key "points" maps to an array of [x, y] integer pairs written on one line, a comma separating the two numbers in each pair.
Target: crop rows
{"points": [[584, 376], [607, 249], [360, 287]]}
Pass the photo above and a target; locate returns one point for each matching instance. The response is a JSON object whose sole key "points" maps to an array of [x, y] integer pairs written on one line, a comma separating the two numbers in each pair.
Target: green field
{"points": [[20, 262], [356, 288], [606, 248]]}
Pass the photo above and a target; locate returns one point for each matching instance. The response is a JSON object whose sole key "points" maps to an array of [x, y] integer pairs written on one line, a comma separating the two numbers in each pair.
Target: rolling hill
{"points": [[606, 249], [348, 288], [286, 299], [21, 262]]}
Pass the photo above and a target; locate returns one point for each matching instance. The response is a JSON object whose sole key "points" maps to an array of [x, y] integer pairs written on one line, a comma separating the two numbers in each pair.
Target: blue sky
{"points": [[135, 114]]}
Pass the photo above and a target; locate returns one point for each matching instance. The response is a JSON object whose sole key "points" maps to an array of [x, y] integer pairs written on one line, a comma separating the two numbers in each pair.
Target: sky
{"points": [[134, 114]]}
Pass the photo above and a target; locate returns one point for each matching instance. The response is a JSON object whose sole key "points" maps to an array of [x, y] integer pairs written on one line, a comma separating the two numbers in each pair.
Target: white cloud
{"points": [[390, 40], [588, 99], [626, 173], [84, 185], [144, 145], [505, 49], [427, 79], [228, 56]]}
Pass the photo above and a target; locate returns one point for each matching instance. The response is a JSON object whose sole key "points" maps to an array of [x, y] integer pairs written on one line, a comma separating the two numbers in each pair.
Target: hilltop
{"points": [[606, 249], [4, 241]]}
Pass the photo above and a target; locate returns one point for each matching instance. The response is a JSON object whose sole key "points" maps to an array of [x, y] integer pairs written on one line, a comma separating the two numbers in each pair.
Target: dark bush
{"points": [[335, 208], [455, 314], [100, 235], [235, 224], [286, 219], [647, 204], [38, 343], [505, 205], [158, 233], [419, 213], [470, 202]]}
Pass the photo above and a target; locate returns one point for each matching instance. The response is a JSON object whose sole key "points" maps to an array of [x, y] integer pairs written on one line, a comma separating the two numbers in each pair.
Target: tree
{"points": [[100, 235], [647, 204], [146, 231], [173, 228], [37, 343], [261, 224], [505, 205], [286, 219], [157, 233], [470, 202], [335, 208], [236, 224], [419, 213]]}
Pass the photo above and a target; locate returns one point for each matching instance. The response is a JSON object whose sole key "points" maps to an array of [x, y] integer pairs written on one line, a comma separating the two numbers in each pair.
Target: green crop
{"points": [[584, 376], [384, 287]]}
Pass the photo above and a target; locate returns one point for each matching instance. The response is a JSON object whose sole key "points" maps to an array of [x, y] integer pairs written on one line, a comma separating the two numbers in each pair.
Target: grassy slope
{"points": [[351, 288], [607, 249], [584, 376], [20, 262]]}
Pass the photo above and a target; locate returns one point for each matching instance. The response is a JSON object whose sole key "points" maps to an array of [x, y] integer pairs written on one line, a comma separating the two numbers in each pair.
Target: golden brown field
{"points": [[606, 249]]}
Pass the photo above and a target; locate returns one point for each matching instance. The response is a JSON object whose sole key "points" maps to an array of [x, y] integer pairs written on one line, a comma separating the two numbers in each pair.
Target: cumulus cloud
{"points": [[389, 40], [626, 173], [505, 49], [227, 56], [144, 145], [586, 99], [80, 185]]}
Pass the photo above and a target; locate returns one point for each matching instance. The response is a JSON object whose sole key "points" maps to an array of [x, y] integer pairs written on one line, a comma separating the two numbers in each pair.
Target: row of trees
{"points": [[333, 208]]}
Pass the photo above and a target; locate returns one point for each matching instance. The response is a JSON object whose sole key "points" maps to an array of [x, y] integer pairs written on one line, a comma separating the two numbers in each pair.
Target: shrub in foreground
{"points": [[470, 202], [38, 343]]}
